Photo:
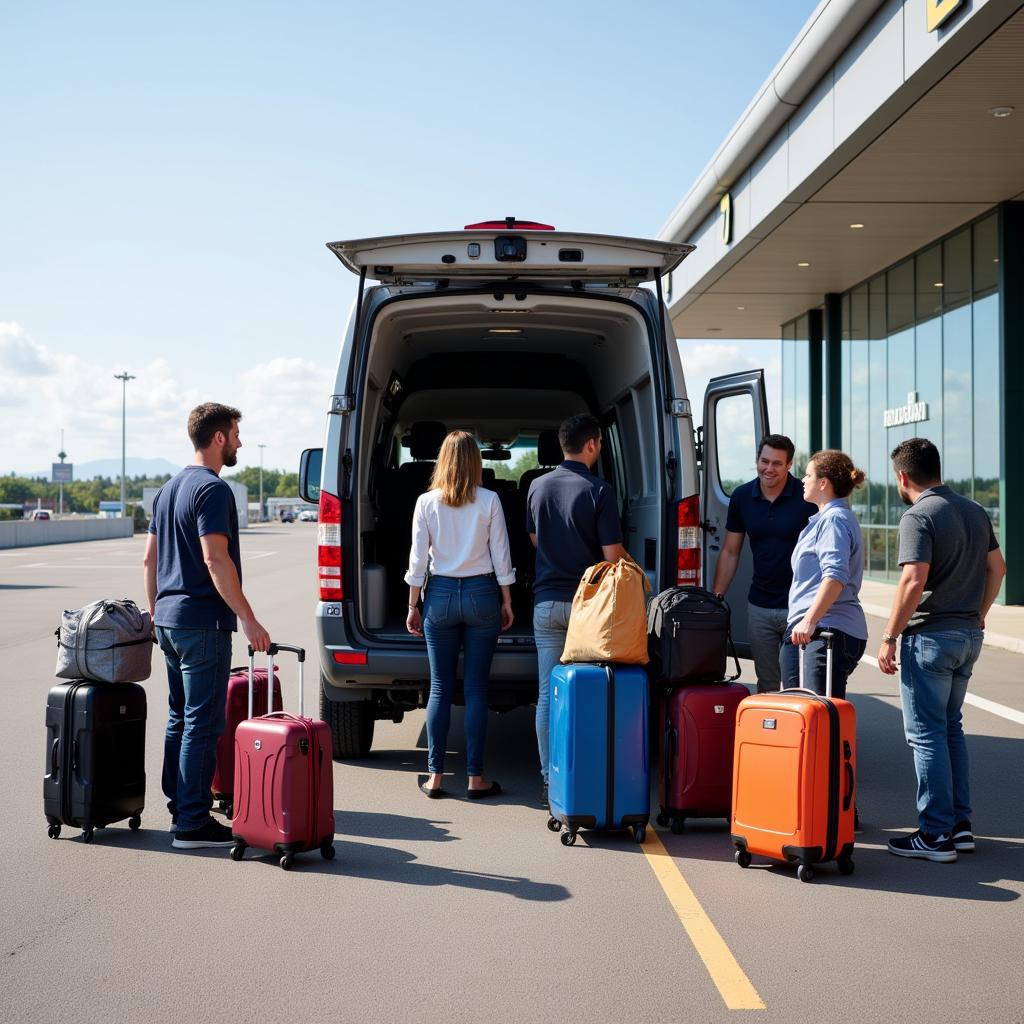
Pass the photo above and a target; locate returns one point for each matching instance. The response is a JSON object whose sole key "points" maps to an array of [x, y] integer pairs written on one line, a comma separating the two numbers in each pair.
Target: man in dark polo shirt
{"points": [[573, 521], [193, 576], [952, 569], [771, 511]]}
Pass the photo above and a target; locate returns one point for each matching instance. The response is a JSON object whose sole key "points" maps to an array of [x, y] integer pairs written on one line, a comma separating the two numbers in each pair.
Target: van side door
{"points": [[735, 419]]}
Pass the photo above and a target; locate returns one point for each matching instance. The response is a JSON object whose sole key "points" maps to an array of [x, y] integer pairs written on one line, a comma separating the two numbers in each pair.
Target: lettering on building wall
{"points": [[939, 11], [913, 412], [725, 208]]}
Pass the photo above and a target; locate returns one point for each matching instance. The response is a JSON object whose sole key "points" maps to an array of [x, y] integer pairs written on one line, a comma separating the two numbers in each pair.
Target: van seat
{"points": [[549, 455]]}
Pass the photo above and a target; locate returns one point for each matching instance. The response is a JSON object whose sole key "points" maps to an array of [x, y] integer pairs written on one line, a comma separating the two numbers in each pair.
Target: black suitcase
{"points": [[95, 756], [688, 633]]}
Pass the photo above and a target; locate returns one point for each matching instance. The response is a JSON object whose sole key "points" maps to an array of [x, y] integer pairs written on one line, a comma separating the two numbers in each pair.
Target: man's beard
{"points": [[904, 495], [229, 456]]}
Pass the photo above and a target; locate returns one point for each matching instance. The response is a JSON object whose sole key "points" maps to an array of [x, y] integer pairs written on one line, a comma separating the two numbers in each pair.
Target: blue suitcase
{"points": [[599, 771]]}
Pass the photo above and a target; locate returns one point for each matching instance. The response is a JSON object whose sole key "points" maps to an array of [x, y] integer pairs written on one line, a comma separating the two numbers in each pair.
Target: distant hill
{"points": [[112, 468]]}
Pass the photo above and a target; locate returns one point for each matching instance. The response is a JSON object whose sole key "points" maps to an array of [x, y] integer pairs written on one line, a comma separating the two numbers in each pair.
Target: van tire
{"points": [[351, 724]]}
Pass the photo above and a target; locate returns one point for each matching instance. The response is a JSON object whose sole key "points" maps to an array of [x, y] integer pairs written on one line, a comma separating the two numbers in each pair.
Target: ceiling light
{"points": [[741, 307], [505, 330], [995, 259], [712, 328], [1001, 111], [938, 284], [803, 264], [856, 227]]}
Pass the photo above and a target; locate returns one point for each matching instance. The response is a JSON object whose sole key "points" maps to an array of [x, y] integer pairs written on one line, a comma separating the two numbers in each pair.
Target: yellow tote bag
{"points": [[608, 621]]}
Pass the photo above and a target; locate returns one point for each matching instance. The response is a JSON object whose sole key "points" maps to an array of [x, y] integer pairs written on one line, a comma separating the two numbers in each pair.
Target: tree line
{"points": [[84, 496]]}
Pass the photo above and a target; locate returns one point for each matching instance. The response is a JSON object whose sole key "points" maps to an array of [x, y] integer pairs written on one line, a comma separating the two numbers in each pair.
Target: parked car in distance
{"points": [[308, 516], [39, 514], [286, 515]]}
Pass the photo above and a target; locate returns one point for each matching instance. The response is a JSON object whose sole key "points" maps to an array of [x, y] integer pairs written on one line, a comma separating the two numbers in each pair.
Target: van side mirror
{"points": [[310, 468]]}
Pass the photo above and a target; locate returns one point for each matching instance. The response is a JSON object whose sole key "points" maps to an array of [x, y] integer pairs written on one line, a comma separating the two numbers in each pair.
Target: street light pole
{"points": [[123, 378], [261, 447]]}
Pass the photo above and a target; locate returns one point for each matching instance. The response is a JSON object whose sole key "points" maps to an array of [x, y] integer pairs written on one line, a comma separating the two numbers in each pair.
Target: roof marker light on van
{"points": [[505, 330], [509, 224]]}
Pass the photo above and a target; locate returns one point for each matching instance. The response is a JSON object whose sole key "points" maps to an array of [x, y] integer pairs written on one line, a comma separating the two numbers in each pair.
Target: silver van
{"points": [[503, 329]]}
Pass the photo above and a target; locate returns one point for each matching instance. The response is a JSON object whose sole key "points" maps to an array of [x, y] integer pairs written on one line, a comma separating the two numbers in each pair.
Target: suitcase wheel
{"points": [[53, 831], [805, 873], [677, 826], [662, 819], [742, 858], [287, 861], [238, 851], [845, 865], [640, 833], [554, 824], [568, 838], [135, 822], [326, 851], [87, 835]]}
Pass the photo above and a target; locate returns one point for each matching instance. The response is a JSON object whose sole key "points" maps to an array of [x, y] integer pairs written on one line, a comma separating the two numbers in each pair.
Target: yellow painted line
{"points": [[732, 984]]}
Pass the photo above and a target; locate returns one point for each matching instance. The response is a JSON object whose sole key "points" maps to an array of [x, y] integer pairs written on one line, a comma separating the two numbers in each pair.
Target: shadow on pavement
{"points": [[32, 586], [400, 867], [372, 825]]}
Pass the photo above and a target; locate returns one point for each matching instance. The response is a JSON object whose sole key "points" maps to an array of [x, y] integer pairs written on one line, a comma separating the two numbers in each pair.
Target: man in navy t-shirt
{"points": [[193, 577], [771, 511], [573, 522]]}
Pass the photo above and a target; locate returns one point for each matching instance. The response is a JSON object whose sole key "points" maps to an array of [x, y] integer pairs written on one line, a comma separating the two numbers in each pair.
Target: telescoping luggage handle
{"points": [[826, 635], [299, 652]]}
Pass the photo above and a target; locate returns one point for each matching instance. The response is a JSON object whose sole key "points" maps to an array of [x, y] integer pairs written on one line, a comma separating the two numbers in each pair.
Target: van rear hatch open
{"points": [[511, 253]]}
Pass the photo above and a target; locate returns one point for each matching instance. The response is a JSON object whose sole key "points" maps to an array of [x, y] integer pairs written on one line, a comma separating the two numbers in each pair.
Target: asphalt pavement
{"points": [[453, 910]]}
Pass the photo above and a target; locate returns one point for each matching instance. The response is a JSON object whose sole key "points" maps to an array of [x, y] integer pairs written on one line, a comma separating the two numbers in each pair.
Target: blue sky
{"points": [[170, 175]]}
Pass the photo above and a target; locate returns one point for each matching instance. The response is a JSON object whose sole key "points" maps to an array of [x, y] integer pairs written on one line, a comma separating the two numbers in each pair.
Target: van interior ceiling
{"points": [[507, 369]]}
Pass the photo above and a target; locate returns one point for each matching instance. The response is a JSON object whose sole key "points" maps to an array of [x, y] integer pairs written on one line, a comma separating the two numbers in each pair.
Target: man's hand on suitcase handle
{"points": [[258, 637]]}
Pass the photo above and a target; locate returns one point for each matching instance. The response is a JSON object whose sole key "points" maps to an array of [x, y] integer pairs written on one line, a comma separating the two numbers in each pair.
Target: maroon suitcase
{"points": [[284, 780], [698, 728], [237, 710]]}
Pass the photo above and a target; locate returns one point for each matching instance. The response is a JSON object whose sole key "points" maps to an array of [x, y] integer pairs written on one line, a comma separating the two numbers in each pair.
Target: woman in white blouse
{"points": [[459, 534]]}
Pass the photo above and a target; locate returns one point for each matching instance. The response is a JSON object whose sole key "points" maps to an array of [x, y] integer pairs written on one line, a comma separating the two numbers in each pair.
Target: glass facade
{"points": [[923, 331]]}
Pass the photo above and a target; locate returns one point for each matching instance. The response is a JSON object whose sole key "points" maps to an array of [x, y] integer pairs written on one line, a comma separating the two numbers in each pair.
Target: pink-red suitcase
{"points": [[236, 710], [284, 779], [698, 729]]}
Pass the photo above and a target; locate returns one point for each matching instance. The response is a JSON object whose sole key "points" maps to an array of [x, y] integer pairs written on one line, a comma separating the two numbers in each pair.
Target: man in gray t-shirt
{"points": [[952, 569]]}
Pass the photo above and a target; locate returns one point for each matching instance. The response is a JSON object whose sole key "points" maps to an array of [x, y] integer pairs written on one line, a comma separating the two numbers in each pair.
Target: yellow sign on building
{"points": [[725, 209], [939, 11]]}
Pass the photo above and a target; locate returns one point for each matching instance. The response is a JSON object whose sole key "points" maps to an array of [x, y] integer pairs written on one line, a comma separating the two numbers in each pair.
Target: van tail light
{"points": [[688, 563], [328, 549]]}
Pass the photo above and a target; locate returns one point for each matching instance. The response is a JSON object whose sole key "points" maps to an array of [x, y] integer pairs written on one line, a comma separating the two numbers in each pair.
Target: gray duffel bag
{"points": [[107, 642]]}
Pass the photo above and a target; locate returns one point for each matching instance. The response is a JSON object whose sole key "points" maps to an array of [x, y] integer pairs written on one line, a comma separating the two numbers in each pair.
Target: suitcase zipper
{"points": [[832, 822]]}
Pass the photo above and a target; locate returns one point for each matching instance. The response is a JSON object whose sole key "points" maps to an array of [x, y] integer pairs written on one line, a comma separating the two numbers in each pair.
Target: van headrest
{"points": [[425, 439], [549, 451], [488, 478]]}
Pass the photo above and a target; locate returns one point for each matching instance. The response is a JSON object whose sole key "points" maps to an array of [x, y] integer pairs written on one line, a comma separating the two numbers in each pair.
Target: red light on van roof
{"points": [[509, 224]]}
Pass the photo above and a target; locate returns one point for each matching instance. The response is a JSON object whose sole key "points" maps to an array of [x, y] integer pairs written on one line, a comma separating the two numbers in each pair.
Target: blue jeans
{"points": [[459, 613], [550, 626], [846, 653], [198, 666], [934, 671]]}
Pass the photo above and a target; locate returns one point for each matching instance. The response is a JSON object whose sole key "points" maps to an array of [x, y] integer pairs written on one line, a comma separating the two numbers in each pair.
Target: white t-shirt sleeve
{"points": [[497, 541], [419, 551]]}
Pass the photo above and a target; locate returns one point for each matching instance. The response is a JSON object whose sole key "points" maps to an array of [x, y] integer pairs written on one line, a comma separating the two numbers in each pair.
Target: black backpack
{"points": [[688, 633]]}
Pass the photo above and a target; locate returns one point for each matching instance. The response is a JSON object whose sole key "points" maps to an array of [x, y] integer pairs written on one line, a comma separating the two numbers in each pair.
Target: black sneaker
{"points": [[174, 825], [210, 835], [920, 844], [963, 837]]}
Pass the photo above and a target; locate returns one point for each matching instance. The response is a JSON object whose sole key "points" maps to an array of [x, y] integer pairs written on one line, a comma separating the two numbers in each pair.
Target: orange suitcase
{"points": [[794, 777]]}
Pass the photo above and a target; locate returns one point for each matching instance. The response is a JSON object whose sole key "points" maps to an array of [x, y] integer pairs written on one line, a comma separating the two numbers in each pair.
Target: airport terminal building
{"points": [[868, 210]]}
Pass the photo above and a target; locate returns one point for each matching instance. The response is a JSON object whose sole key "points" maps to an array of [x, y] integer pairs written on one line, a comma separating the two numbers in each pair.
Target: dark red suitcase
{"points": [[698, 729], [237, 709], [284, 780]]}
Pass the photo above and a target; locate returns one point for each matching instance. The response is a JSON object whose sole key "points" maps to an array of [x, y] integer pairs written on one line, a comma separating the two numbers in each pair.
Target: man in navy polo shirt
{"points": [[573, 521], [772, 512], [193, 578]]}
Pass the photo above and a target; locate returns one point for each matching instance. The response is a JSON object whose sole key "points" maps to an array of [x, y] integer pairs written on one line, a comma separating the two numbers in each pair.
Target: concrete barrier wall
{"points": [[27, 533]]}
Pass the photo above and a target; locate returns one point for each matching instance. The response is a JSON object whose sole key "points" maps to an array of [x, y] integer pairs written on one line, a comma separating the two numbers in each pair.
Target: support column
{"points": [[1011, 342], [815, 378], [833, 370]]}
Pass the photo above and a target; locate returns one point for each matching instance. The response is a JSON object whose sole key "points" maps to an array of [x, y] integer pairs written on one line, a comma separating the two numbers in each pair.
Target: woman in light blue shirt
{"points": [[828, 568]]}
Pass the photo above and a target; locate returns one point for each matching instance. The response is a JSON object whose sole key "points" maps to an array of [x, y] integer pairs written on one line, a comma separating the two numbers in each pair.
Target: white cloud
{"points": [[284, 404]]}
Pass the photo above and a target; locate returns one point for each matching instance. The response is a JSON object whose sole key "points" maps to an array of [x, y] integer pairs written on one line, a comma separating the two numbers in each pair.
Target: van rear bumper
{"points": [[404, 665]]}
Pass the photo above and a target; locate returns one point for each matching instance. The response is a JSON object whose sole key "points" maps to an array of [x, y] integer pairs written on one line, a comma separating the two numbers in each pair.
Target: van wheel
{"points": [[351, 725]]}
